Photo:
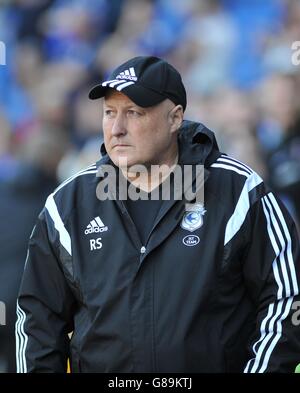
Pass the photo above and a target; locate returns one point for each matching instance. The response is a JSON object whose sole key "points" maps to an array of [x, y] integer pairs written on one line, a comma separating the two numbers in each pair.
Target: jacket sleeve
{"points": [[44, 306], [271, 271]]}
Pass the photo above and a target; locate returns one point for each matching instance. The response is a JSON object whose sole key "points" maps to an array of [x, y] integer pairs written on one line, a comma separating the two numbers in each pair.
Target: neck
{"points": [[153, 175]]}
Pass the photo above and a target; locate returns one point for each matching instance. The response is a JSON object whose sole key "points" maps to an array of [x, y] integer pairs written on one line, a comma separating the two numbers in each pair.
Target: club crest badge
{"points": [[193, 217]]}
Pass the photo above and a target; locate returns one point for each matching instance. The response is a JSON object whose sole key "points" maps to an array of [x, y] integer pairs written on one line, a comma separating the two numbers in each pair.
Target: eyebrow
{"points": [[129, 106]]}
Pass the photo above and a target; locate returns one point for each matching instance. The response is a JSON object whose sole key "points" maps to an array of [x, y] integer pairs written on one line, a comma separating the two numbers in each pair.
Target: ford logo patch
{"points": [[191, 240]]}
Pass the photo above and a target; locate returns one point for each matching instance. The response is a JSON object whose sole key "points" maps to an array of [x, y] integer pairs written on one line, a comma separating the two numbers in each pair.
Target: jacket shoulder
{"points": [[73, 191], [237, 177]]}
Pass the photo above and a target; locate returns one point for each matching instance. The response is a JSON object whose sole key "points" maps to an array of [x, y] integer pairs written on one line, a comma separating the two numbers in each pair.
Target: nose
{"points": [[119, 126]]}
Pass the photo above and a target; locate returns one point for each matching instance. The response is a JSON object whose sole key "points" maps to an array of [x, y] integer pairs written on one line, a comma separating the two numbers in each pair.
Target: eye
{"points": [[133, 113], [108, 113]]}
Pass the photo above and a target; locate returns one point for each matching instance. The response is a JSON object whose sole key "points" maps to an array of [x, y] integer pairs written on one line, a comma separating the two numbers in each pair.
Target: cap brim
{"points": [[140, 95], [97, 91]]}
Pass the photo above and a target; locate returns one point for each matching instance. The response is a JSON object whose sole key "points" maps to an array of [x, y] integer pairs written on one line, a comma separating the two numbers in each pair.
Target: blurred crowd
{"points": [[235, 59]]}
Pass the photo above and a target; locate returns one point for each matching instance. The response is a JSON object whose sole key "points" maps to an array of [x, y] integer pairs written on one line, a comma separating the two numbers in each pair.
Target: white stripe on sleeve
{"points": [[231, 168], [289, 243], [286, 290], [241, 209], [21, 341], [64, 236], [234, 163], [279, 249]]}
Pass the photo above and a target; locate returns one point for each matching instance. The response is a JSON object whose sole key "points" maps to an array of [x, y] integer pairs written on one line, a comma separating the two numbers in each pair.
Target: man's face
{"points": [[139, 135]]}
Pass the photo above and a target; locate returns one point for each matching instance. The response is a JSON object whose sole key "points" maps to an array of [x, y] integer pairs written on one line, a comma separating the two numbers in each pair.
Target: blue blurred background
{"points": [[235, 57]]}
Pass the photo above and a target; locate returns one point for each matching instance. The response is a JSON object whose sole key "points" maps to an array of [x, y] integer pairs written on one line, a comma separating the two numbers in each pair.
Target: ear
{"points": [[176, 117]]}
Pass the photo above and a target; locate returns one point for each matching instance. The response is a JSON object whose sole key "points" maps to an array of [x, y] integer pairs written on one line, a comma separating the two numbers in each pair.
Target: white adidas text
{"points": [[95, 230], [132, 78]]}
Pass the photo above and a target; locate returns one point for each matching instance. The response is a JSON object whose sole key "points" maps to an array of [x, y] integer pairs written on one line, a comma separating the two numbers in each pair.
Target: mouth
{"points": [[120, 145]]}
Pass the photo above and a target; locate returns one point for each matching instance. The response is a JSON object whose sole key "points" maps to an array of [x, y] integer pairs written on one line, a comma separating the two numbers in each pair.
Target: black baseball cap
{"points": [[146, 80]]}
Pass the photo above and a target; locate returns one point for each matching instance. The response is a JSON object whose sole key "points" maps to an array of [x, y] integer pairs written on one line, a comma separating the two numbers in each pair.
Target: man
{"points": [[159, 285]]}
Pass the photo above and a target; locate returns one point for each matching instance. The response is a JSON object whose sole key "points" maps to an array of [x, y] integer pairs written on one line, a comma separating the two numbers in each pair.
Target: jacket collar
{"points": [[197, 144]]}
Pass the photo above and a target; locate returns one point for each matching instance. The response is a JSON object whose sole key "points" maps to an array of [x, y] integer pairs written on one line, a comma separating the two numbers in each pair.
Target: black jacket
{"points": [[215, 291]]}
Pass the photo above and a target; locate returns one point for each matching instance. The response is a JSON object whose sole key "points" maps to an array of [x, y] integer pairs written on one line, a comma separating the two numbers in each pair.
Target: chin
{"points": [[122, 161]]}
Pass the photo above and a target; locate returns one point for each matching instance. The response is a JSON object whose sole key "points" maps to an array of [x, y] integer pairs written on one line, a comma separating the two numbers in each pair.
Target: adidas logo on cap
{"points": [[128, 74]]}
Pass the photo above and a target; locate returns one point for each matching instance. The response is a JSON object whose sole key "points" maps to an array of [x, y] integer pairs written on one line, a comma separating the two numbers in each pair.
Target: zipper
{"points": [[132, 228]]}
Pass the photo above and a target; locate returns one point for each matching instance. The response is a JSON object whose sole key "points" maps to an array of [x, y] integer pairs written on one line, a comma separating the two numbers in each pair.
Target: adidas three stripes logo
{"points": [[124, 79]]}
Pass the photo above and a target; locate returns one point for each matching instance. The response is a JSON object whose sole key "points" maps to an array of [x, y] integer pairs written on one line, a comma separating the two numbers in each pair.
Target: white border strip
{"points": [[242, 207], [64, 236]]}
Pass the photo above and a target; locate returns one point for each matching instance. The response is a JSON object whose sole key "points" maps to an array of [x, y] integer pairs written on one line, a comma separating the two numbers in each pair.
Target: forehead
{"points": [[114, 97]]}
